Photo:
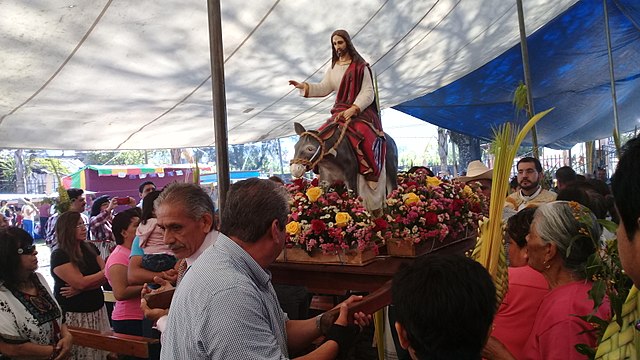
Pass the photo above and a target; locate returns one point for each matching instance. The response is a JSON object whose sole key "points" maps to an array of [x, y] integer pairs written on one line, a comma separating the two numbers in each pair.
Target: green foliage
{"points": [[520, 98], [127, 157], [62, 202], [7, 173], [8, 167], [49, 164], [263, 156], [605, 270]]}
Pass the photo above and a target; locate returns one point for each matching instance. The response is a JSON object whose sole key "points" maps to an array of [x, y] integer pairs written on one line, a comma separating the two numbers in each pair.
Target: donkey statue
{"points": [[335, 160]]}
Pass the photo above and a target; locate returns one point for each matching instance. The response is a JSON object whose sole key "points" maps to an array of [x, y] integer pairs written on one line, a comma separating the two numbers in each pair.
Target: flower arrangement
{"points": [[425, 208], [330, 218]]}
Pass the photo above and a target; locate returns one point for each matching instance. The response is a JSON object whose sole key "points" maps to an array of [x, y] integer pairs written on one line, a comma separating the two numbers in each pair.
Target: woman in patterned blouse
{"points": [[100, 224], [31, 321]]}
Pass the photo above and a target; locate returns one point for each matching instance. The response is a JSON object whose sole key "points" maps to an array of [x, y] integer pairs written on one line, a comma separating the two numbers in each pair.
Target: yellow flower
{"points": [[410, 198], [293, 228], [466, 191], [342, 219], [433, 181], [313, 193]]}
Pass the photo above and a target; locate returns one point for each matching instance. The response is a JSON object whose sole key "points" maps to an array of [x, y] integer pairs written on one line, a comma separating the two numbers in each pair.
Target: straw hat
{"points": [[476, 170]]}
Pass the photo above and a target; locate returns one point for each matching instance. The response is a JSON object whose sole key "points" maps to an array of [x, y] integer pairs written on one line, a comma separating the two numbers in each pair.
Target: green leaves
{"points": [[597, 293], [609, 225]]}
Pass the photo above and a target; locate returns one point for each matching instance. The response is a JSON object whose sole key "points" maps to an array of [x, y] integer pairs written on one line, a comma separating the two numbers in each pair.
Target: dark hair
{"points": [[529, 159], [583, 194], [600, 186], [514, 182], [277, 179], [121, 222], [11, 239], [66, 226], [74, 193], [626, 186], [251, 207], [141, 187], [192, 197], [147, 206], [355, 56], [518, 226], [566, 175], [446, 304], [414, 169], [97, 203]]}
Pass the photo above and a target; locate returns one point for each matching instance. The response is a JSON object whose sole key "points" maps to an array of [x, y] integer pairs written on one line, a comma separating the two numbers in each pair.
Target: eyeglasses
{"points": [[27, 250], [79, 226]]}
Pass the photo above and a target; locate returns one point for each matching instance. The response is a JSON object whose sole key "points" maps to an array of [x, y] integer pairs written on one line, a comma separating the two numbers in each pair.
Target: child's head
{"points": [[147, 206]]}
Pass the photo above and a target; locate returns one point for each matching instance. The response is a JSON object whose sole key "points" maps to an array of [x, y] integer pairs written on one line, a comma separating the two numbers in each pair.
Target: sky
{"points": [[410, 133]]}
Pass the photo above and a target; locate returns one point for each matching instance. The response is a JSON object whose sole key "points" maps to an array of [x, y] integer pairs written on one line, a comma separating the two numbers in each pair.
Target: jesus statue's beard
{"points": [[340, 52]]}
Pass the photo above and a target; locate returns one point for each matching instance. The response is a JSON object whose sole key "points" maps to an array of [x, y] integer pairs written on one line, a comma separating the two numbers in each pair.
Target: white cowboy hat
{"points": [[476, 170]]}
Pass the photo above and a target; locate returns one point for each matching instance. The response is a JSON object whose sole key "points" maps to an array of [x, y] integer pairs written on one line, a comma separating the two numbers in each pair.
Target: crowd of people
{"points": [[225, 305], [29, 215], [158, 246]]}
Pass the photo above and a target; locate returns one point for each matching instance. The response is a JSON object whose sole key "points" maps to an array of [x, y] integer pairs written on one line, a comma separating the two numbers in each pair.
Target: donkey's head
{"points": [[307, 150]]}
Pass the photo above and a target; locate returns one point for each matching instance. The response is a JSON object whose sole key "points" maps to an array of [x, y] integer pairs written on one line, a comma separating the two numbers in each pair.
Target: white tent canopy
{"points": [[136, 74]]}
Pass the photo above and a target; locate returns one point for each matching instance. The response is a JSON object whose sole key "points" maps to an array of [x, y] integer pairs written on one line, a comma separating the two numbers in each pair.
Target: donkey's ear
{"points": [[299, 128]]}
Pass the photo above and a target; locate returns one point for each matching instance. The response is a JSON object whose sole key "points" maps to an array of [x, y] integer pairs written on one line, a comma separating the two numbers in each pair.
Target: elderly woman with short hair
{"points": [[31, 321], [563, 236]]}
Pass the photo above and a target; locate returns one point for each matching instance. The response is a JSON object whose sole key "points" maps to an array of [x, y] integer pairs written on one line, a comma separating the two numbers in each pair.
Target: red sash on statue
{"points": [[365, 135]]}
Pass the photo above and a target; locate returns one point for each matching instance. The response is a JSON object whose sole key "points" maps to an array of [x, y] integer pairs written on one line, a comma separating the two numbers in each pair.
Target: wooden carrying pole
{"points": [[219, 99]]}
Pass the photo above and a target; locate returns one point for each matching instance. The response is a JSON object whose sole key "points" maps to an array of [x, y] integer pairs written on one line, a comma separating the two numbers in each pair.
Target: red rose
{"points": [[318, 226], [299, 182], [476, 208], [456, 205], [431, 218], [314, 182], [381, 224], [411, 184]]}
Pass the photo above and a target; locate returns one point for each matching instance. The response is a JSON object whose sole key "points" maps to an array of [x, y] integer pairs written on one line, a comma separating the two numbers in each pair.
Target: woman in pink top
{"points": [[514, 320], [563, 236], [127, 316]]}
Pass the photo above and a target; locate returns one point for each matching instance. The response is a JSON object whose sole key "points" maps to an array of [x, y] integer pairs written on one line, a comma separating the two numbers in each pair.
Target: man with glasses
{"points": [[531, 194], [78, 202]]}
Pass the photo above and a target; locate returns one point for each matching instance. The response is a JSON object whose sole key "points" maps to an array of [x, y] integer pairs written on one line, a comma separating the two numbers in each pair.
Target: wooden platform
{"points": [[334, 279], [122, 344]]}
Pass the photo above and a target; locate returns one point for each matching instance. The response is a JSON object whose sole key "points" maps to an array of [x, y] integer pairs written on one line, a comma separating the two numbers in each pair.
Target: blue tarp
{"points": [[569, 71]]}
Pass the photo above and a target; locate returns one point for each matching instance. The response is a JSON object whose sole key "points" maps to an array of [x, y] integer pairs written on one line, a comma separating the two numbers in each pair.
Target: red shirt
{"points": [[517, 313], [557, 330]]}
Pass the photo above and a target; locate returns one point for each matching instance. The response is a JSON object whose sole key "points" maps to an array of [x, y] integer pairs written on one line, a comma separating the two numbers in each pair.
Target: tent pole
{"points": [[612, 78], [527, 75], [219, 99]]}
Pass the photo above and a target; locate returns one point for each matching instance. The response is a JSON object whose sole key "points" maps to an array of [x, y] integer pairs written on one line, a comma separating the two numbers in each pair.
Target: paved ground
{"points": [[44, 260]]}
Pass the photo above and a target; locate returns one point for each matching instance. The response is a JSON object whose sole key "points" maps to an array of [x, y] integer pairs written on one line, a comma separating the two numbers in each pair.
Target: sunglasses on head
{"points": [[26, 250]]}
